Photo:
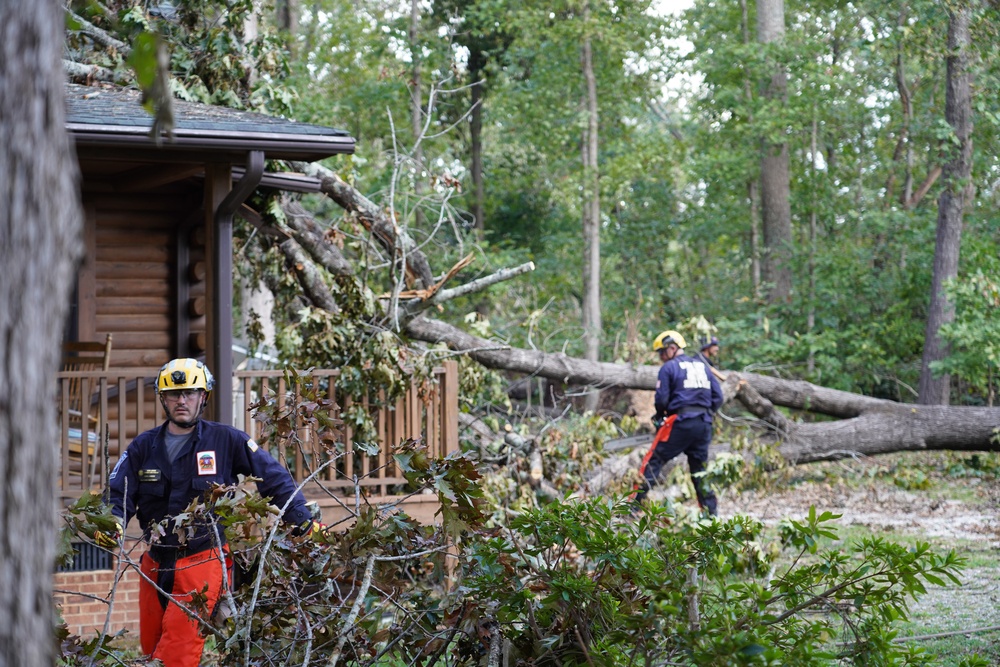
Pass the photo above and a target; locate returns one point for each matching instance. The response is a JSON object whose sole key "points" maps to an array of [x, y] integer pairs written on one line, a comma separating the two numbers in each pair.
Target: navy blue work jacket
{"points": [[685, 384], [146, 484]]}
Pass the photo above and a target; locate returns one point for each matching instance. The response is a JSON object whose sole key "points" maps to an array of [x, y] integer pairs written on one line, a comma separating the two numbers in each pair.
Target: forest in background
{"points": [[635, 157]]}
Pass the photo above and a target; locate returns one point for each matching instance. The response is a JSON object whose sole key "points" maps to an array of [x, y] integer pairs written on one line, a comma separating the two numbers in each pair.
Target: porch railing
{"points": [[123, 403]]}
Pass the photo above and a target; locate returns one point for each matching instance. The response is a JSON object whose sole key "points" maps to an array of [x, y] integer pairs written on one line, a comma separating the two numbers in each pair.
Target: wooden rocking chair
{"points": [[83, 424]]}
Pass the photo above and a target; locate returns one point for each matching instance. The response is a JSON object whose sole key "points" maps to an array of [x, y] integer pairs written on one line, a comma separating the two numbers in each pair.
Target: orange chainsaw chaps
{"points": [[662, 435]]}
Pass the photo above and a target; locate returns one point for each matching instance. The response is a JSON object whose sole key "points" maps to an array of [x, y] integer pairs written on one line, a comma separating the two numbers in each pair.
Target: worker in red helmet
{"points": [[160, 473], [687, 396]]}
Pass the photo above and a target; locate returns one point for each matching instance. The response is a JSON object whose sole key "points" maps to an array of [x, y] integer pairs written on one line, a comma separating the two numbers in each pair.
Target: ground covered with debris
{"points": [[951, 500]]}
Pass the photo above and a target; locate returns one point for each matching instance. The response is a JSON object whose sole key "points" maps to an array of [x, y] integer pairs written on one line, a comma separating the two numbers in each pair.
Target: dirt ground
{"points": [[883, 508]]}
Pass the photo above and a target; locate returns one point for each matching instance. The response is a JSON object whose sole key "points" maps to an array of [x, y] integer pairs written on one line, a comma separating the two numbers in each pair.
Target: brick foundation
{"points": [[85, 615]]}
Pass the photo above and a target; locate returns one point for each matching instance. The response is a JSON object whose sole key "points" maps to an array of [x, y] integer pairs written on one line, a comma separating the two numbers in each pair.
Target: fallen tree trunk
{"points": [[864, 425], [867, 426]]}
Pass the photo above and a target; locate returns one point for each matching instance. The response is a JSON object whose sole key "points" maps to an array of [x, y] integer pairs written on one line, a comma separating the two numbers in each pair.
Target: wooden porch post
{"points": [[218, 252]]}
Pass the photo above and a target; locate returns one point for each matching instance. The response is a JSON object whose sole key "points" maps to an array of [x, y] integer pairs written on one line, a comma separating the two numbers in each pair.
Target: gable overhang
{"points": [[136, 142]]}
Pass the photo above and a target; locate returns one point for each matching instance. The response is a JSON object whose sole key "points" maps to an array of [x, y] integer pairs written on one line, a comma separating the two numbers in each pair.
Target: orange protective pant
{"points": [[168, 633]]}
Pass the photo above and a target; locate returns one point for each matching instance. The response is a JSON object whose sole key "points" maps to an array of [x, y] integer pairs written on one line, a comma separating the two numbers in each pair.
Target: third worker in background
{"points": [[687, 396], [709, 351]]}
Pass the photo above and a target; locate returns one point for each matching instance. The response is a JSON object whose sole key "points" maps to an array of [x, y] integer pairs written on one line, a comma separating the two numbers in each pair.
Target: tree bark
{"points": [[287, 17], [308, 233], [477, 65], [957, 172], [591, 211], [40, 243], [417, 115], [752, 182], [774, 179]]}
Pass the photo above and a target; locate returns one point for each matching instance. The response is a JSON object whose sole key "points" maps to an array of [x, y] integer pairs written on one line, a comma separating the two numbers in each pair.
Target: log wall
{"points": [[130, 284]]}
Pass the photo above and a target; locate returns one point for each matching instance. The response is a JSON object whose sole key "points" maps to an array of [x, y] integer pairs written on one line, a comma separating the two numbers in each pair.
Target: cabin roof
{"points": [[113, 117]]}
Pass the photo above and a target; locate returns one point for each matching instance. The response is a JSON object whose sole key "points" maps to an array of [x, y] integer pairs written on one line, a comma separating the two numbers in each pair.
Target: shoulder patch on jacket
{"points": [[118, 465], [252, 445]]}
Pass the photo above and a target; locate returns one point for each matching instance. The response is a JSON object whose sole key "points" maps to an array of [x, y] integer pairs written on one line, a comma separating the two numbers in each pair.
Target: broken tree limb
{"points": [[373, 218], [313, 239], [803, 395], [413, 308], [737, 387], [84, 73], [424, 294], [79, 24], [309, 277], [495, 354]]}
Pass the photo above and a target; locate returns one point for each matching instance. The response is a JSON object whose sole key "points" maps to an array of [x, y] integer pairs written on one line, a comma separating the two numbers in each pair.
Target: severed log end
{"points": [[735, 387]]}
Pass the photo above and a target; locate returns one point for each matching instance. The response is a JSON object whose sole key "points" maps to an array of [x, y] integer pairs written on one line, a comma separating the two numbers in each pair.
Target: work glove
{"points": [[110, 539], [657, 421], [311, 529]]}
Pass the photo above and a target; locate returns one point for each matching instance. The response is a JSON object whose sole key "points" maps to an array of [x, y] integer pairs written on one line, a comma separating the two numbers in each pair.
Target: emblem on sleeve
{"points": [[118, 465], [206, 463], [252, 445]]}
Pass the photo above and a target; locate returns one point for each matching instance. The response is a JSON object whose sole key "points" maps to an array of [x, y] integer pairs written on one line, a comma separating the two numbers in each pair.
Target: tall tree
{"points": [[752, 183], [951, 204], [774, 179], [40, 227], [417, 111], [591, 207], [482, 28]]}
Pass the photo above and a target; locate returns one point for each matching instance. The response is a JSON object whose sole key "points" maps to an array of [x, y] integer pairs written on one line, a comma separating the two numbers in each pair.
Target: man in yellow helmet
{"points": [[157, 477], [687, 395]]}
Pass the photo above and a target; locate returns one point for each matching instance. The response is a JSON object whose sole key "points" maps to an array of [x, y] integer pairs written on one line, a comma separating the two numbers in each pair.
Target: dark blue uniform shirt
{"points": [[146, 484], [685, 382]]}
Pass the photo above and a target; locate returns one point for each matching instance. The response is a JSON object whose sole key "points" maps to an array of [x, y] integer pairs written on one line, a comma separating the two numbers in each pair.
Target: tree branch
{"points": [[869, 425], [313, 240], [309, 277], [79, 71], [414, 308], [99, 35], [373, 218]]}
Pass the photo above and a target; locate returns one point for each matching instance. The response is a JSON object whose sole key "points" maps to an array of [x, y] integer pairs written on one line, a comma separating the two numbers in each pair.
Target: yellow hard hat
{"points": [[184, 374], [666, 338]]}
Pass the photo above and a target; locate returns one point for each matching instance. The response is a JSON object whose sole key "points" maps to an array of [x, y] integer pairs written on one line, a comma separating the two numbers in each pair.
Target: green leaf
{"points": [[143, 60], [751, 650]]}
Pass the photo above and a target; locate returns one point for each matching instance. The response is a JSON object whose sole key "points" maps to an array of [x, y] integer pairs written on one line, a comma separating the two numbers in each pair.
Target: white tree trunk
{"points": [[40, 243]]}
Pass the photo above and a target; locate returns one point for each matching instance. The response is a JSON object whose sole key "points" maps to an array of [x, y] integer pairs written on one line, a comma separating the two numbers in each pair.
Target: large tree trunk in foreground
{"points": [[40, 225], [866, 426]]}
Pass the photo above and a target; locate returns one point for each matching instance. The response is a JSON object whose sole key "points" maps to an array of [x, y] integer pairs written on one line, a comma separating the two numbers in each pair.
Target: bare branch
{"points": [[80, 71], [359, 600], [413, 308]]}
